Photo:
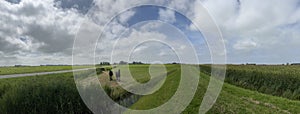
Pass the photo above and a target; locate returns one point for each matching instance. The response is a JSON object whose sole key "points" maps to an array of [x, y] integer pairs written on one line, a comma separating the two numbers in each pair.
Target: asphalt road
{"points": [[40, 73]]}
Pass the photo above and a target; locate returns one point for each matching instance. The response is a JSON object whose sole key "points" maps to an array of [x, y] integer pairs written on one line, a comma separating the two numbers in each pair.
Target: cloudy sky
{"points": [[35, 32]]}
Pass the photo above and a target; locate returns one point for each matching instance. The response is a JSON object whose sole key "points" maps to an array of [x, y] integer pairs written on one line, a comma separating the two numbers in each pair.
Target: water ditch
{"points": [[127, 99]]}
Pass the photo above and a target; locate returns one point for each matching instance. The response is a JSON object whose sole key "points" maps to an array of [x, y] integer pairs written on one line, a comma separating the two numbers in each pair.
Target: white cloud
{"points": [[151, 26], [245, 45], [148, 41], [260, 26], [37, 26], [167, 15], [123, 18], [49, 26], [41, 29]]}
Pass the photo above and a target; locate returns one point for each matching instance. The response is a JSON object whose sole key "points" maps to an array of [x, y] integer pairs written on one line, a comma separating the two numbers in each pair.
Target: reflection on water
{"points": [[130, 100]]}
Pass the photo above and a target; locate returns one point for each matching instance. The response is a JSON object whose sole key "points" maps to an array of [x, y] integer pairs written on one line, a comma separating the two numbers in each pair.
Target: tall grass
{"points": [[283, 81], [43, 94]]}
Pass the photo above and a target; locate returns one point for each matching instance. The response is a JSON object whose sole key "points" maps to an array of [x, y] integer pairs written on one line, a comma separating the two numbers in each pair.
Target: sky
{"points": [[35, 32]]}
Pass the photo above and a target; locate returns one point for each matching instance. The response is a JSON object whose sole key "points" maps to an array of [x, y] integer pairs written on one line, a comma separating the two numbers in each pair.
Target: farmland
{"points": [[35, 69], [57, 93]]}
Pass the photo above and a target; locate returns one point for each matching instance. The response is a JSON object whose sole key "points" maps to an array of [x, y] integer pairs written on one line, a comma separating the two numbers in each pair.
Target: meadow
{"points": [[57, 93]]}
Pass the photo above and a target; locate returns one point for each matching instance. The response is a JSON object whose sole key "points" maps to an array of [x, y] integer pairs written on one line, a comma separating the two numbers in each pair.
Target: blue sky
{"points": [[37, 32]]}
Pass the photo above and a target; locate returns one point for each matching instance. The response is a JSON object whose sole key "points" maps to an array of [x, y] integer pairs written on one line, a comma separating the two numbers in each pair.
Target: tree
{"points": [[134, 62]]}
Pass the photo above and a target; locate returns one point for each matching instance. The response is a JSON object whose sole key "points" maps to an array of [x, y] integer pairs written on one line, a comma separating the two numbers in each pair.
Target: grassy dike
{"points": [[139, 72], [232, 99]]}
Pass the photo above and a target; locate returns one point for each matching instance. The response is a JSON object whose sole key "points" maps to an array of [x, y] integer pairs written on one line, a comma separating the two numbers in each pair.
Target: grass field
{"points": [[35, 69], [57, 93]]}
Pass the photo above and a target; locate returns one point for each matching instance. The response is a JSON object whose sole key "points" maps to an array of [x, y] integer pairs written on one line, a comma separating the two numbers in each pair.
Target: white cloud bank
{"points": [[268, 28], [36, 29], [39, 32]]}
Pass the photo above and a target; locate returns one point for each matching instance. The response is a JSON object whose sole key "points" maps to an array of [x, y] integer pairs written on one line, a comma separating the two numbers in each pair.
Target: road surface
{"points": [[40, 73]]}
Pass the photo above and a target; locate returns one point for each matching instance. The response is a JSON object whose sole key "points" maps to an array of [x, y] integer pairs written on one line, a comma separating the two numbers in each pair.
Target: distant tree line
{"points": [[295, 64], [134, 62], [121, 63]]}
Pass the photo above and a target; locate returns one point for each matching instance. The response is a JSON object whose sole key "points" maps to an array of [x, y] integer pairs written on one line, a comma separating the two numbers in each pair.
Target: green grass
{"points": [[162, 95], [283, 81], [35, 69], [55, 93], [231, 100], [234, 99], [139, 72]]}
